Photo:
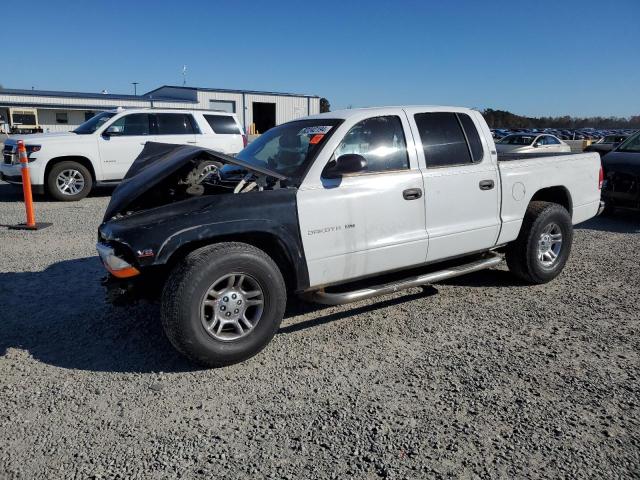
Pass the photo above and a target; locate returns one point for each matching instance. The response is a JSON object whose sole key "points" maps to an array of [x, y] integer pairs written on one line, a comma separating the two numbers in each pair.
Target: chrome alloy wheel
{"points": [[70, 182], [232, 307], [549, 245]]}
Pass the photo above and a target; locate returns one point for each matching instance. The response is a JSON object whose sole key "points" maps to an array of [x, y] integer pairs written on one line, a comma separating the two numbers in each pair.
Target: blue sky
{"points": [[533, 58]]}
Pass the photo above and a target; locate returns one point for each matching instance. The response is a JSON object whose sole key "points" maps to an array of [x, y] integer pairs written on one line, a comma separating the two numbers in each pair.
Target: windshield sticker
{"points": [[316, 139], [320, 129]]}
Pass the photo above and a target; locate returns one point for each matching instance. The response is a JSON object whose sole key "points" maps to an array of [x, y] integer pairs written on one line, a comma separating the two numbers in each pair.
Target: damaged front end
{"points": [[166, 173], [169, 193]]}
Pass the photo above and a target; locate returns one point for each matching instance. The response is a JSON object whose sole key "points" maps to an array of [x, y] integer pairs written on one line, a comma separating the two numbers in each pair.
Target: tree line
{"points": [[504, 119]]}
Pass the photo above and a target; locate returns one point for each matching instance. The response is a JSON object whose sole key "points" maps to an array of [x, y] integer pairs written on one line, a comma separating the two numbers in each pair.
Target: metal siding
{"points": [[287, 108], [204, 97], [314, 105]]}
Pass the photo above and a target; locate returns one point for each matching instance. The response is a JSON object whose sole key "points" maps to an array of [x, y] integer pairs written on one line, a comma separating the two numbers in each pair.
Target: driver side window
{"points": [[134, 124], [380, 140]]}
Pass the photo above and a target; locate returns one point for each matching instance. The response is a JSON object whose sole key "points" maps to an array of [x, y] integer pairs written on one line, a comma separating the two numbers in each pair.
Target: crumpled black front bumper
{"points": [[127, 291]]}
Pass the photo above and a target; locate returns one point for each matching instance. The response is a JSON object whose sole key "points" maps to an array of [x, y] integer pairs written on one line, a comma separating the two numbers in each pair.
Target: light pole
{"points": [[135, 87]]}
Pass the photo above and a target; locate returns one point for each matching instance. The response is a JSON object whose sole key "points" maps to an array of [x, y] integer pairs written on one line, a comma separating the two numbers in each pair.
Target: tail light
{"points": [[600, 178], [244, 140]]}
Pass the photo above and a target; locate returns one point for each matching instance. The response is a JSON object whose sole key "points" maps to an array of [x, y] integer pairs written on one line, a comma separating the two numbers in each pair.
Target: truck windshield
{"points": [[517, 140], [632, 144], [91, 125], [289, 148]]}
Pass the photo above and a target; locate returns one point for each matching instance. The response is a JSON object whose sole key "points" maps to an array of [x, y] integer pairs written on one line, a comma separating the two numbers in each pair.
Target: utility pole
{"points": [[135, 87]]}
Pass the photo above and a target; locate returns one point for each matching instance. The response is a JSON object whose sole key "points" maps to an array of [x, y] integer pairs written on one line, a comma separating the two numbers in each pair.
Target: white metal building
{"points": [[257, 111]]}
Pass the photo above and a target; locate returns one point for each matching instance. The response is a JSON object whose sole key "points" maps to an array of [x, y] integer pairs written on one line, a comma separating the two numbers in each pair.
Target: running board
{"points": [[328, 298]]}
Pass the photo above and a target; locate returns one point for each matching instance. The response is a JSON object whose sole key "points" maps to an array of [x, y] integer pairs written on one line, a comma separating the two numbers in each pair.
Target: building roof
{"points": [[227, 90], [106, 96]]}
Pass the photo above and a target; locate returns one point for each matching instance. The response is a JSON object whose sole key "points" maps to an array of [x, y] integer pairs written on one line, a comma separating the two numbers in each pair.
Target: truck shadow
{"points": [[59, 317], [296, 307], [622, 221], [486, 278]]}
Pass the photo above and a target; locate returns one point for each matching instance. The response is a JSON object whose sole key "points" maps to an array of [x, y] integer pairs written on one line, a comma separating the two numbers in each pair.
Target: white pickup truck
{"points": [[101, 150], [335, 207]]}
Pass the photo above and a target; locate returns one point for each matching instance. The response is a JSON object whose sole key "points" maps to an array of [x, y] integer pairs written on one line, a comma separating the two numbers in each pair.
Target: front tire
{"points": [[223, 304], [543, 246], [69, 181]]}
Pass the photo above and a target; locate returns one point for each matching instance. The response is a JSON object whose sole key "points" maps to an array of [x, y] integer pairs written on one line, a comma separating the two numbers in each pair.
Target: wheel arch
{"points": [[556, 194], [291, 263], [84, 161]]}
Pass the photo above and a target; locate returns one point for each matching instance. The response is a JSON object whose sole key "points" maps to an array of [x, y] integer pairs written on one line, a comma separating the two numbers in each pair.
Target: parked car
{"points": [[622, 175], [100, 151], [532, 143], [606, 144], [316, 204]]}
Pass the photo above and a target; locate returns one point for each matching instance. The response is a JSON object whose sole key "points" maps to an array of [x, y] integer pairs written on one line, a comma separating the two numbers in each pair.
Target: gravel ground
{"points": [[483, 377]]}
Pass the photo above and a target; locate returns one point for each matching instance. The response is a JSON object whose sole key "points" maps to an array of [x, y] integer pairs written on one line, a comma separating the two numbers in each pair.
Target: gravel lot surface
{"points": [[483, 377]]}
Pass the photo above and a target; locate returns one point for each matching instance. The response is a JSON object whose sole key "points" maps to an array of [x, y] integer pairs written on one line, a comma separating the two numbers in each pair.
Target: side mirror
{"points": [[344, 165], [536, 145], [112, 131]]}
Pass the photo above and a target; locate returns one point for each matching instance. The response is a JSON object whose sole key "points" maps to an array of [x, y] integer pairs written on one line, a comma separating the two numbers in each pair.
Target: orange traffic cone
{"points": [[28, 196]]}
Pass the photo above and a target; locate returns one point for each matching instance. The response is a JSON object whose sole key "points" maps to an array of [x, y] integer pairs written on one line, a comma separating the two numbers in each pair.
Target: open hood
{"points": [[157, 161]]}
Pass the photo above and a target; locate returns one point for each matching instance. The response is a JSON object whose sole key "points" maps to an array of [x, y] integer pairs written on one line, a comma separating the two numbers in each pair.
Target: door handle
{"points": [[412, 194], [486, 184]]}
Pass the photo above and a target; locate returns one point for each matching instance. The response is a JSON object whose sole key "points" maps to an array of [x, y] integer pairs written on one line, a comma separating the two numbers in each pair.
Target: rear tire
{"points": [[543, 246], [69, 181], [197, 308]]}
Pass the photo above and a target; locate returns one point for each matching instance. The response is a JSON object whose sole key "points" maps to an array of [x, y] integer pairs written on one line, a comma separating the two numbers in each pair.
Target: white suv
{"points": [[101, 150]]}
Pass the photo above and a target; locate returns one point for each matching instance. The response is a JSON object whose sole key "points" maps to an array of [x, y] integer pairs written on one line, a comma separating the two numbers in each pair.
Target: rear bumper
{"points": [[601, 207], [17, 180]]}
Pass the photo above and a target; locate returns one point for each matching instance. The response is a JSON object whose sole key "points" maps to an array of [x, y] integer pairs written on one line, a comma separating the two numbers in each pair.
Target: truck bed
{"points": [[507, 157], [574, 175]]}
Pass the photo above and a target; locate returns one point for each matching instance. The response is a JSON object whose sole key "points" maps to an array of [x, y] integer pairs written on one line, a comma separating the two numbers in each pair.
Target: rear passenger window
{"points": [[443, 140], [175, 124], [475, 144], [223, 124], [552, 141], [380, 140]]}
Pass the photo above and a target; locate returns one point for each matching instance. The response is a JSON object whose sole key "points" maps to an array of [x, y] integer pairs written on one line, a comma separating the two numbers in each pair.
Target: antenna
{"points": [[184, 75]]}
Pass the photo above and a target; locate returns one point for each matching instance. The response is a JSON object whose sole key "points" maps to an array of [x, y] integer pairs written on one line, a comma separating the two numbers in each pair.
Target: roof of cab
{"points": [[351, 112]]}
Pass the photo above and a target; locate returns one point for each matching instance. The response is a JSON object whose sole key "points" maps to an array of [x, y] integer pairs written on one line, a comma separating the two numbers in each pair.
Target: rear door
{"points": [[462, 187], [370, 222], [225, 133], [179, 128], [119, 149]]}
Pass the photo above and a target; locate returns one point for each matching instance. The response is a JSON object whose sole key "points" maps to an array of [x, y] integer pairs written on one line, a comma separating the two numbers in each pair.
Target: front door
{"points": [[462, 186], [118, 149], [370, 222]]}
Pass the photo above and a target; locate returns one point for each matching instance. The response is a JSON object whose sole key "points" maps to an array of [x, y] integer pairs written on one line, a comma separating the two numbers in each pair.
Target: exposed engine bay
{"points": [[165, 174], [202, 176]]}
